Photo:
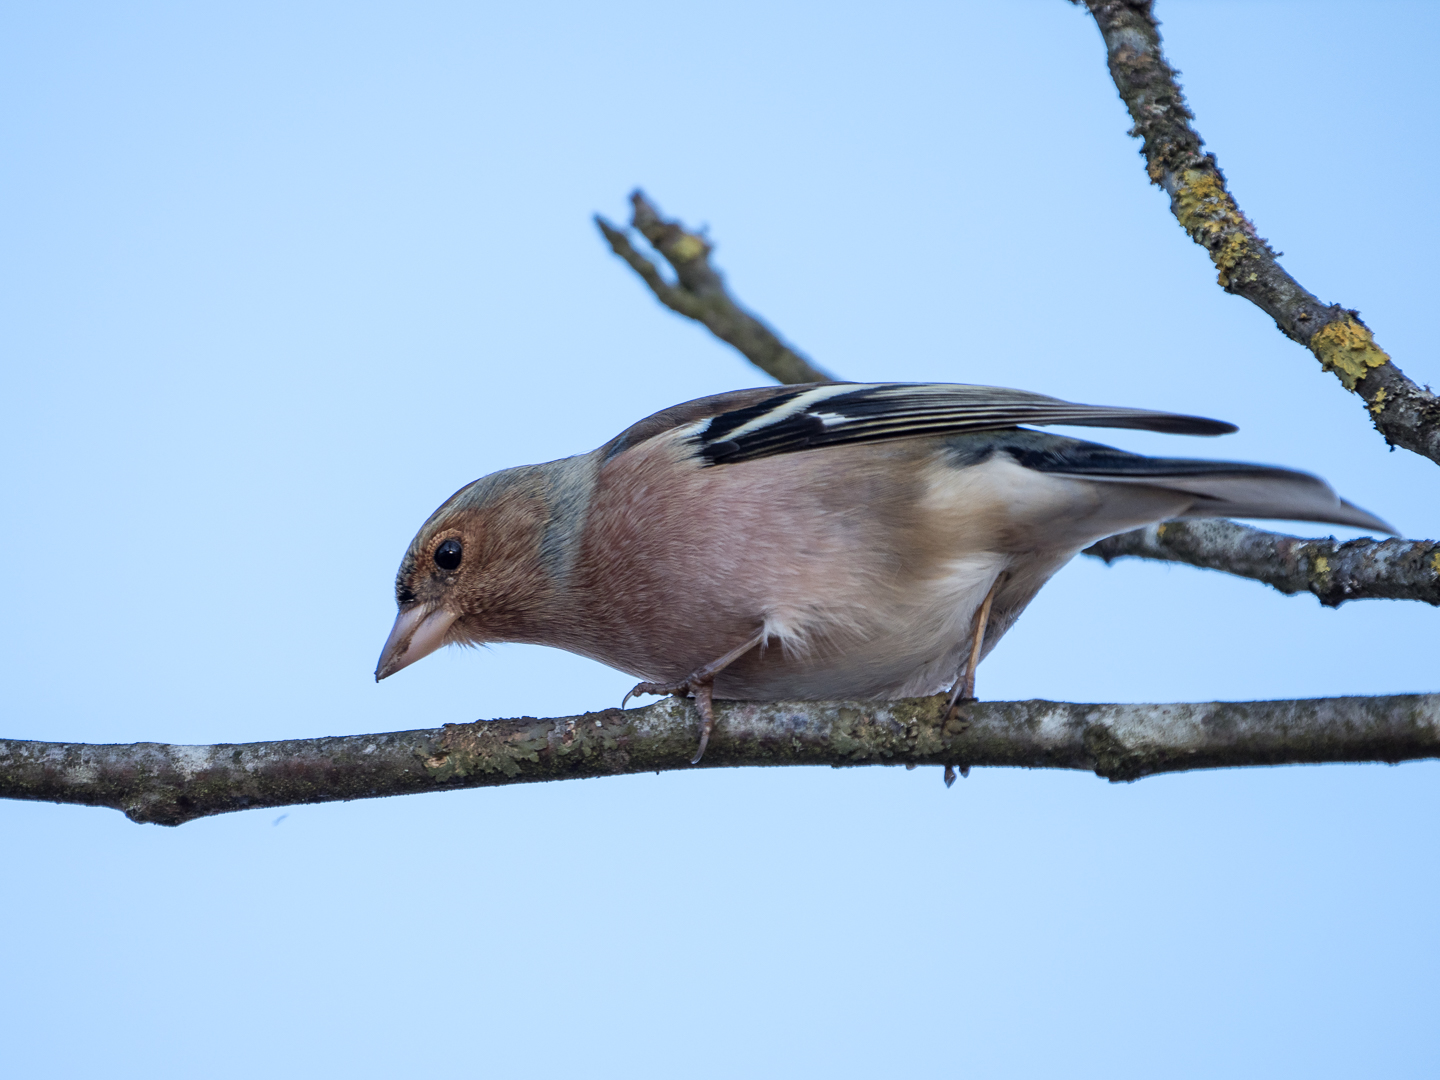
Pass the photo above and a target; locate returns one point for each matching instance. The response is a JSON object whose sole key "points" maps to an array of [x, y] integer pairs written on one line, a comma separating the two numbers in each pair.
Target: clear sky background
{"points": [[280, 277]]}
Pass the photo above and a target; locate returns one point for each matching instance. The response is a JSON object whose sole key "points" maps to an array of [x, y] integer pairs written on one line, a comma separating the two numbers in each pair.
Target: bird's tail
{"points": [[1213, 488], [1234, 489]]}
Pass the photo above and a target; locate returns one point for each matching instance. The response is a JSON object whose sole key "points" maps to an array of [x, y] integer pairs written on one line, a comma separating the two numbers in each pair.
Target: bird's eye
{"points": [[447, 555]]}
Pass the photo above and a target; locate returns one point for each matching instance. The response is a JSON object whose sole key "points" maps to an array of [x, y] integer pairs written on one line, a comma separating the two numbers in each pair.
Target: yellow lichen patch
{"points": [[1208, 213], [1377, 404], [688, 247], [1322, 566], [1228, 254], [1435, 562], [1204, 204], [1347, 348]]}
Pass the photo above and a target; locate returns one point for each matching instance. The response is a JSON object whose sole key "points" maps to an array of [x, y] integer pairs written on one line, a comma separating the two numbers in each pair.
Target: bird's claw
{"points": [[680, 689], [950, 773], [957, 701], [700, 689]]}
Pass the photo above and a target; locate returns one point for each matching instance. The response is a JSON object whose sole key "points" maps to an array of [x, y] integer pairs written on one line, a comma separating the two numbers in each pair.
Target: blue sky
{"points": [[278, 278]]}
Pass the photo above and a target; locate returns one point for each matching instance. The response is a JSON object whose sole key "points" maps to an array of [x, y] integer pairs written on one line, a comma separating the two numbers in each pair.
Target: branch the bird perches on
{"points": [[169, 785]]}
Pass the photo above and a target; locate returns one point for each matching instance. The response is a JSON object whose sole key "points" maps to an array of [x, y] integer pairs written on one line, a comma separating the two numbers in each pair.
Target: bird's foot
{"points": [[964, 689], [962, 692], [700, 686]]}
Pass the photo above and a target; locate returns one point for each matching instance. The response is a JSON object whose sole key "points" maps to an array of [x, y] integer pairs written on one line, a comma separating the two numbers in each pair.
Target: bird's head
{"points": [[472, 573]]}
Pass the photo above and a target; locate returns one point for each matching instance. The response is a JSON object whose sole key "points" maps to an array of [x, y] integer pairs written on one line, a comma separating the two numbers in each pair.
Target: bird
{"points": [[826, 541]]}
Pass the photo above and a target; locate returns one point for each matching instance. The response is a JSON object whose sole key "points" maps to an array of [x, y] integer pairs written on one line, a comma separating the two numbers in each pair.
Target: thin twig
{"points": [[699, 292], [1406, 414], [169, 785], [1335, 572]]}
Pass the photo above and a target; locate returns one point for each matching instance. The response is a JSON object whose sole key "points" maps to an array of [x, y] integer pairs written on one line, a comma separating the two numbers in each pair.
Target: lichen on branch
{"points": [[1406, 414], [1331, 570]]}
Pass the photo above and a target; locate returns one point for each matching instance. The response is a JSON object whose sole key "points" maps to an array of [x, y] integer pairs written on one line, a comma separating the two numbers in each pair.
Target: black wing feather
{"points": [[806, 418]]}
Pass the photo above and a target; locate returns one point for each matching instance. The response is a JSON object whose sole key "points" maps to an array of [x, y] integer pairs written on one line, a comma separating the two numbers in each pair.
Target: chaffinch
{"points": [[826, 541]]}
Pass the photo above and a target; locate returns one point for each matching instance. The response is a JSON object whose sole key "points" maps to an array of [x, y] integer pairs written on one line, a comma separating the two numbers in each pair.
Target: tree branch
{"points": [[1363, 569], [169, 785], [699, 292], [1406, 414]]}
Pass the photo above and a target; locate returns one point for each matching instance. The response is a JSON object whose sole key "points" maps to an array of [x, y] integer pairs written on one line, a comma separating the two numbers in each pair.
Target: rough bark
{"points": [[699, 292], [1406, 414], [1334, 572], [169, 785]]}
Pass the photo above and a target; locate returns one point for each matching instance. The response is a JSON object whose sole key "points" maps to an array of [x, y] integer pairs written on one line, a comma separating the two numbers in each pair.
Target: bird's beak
{"points": [[418, 631]]}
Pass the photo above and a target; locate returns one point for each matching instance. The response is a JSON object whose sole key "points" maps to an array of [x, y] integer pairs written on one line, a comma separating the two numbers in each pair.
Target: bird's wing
{"points": [[750, 424], [745, 425]]}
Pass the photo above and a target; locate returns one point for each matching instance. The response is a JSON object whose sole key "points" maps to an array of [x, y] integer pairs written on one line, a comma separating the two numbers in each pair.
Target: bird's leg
{"points": [[700, 684], [964, 689]]}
